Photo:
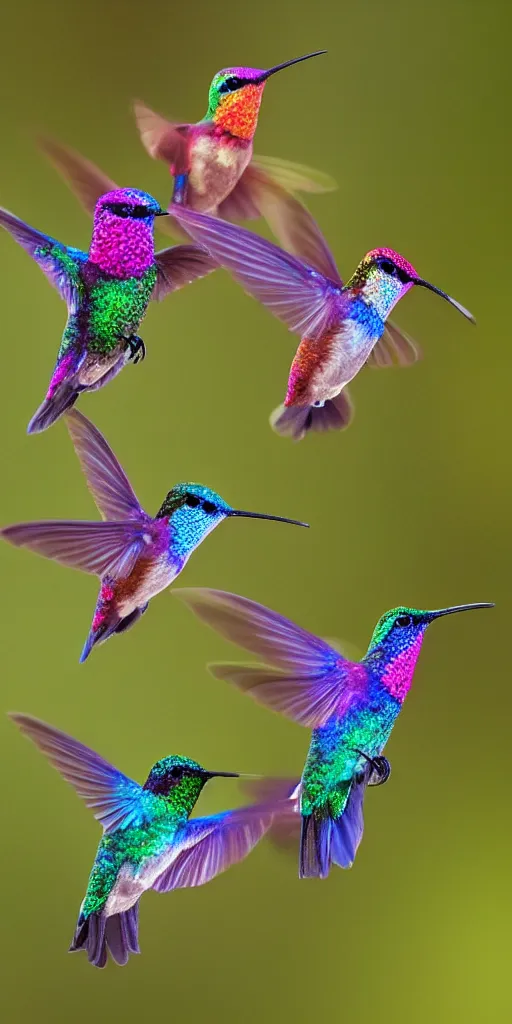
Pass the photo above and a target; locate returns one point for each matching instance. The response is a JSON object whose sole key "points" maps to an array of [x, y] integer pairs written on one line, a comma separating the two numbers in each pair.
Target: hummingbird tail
{"points": [[327, 840], [296, 421], [108, 625], [64, 396], [99, 935]]}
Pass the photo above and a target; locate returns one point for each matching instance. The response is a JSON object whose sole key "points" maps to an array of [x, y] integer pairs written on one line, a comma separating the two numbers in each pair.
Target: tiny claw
{"points": [[137, 348], [380, 766]]}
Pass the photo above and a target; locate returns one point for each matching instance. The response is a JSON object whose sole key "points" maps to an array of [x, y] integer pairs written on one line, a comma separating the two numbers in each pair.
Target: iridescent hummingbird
{"points": [[149, 841], [212, 161], [106, 290], [350, 706], [341, 327], [134, 554]]}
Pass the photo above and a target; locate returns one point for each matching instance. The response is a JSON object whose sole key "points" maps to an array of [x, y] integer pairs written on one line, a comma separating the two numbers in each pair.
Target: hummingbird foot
{"points": [[380, 769], [137, 348]]}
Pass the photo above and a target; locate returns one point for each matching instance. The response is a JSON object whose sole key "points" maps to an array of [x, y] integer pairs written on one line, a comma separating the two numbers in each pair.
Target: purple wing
{"points": [[97, 548], [106, 479], [114, 798], [211, 845], [311, 676], [395, 348], [284, 795], [86, 180], [306, 301], [178, 266], [59, 263]]}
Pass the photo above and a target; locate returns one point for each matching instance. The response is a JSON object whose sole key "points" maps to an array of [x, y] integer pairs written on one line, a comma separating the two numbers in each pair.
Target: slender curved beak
{"points": [[162, 213], [460, 608], [288, 63], [231, 775], [453, 302], [262, 515]]}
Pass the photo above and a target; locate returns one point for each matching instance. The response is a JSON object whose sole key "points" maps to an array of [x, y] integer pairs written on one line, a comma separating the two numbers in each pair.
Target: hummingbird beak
{"points": [[231, 775], [453, 302], [287, 64], [262, 515], [460, 608], [162, 213]]}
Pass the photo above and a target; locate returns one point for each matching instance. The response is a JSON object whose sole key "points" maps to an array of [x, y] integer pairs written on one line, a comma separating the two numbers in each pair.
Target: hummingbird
{"points": [[135, 555], [106, 290], [350, 706], [342, 327], [149, 840], [212, 161]]}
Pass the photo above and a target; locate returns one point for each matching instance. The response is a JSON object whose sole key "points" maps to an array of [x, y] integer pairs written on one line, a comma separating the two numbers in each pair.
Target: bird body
{"points": [[351, 707], [342, 327], [149, 840], [134, 554], [107, 291]]}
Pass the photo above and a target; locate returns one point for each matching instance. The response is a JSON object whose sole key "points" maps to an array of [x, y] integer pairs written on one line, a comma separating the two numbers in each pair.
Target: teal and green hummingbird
{"points": [[149, 840], [350, 706], [106, 290], [134, 554]]}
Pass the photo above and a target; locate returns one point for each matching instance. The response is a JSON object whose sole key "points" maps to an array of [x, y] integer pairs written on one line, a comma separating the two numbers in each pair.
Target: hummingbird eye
{"points": [[209, 507], [140, 212], [176, 772], [388, 267], [120, 209], [403, 620], [230, 84], [192, 500]]}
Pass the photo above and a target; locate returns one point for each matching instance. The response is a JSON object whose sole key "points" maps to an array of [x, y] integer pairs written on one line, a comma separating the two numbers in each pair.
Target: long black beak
{"points": [[231, 775], [460, 608], [262, 515], [162, 213], [453, 302], [288, 63]]}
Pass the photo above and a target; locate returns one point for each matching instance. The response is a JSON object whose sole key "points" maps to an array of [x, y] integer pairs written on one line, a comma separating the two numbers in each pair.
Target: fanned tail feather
{"points": [[326, 840], [100, 935], [64, 397], [296, 421]]}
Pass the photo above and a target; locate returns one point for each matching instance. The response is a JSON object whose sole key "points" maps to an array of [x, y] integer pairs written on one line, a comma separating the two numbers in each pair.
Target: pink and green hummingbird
{"points": [[135, 555], [342, 327], [106, 290], [212, 161], [149, 840], [350, 706]]}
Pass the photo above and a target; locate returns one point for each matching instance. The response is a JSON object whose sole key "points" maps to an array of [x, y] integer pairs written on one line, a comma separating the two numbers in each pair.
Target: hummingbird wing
{"points": [[116, 800], [106, 479], [86, 180], [99, 548], [278, 176], [163, 139], [209, 846], [60, 263], [304, 299], [310, 678], [294, 177], [395, 348], [180, 265]]}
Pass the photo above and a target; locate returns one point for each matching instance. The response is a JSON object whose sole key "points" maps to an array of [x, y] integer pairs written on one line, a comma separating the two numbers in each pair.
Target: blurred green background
{"points": [[409, 112]]}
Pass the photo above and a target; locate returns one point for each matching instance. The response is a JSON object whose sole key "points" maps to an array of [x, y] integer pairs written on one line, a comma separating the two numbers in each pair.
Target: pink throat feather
{"points": [[398, 674], [121, 246]]}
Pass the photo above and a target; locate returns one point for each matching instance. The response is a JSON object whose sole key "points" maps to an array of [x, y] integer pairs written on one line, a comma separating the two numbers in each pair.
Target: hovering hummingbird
{"points": [[212, 161], [148, 840], [106, 290], [350, 706], [134, 554], [341, 326]]}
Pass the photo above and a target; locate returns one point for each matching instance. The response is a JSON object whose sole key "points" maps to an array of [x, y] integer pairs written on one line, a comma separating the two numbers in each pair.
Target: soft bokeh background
{"points": [[409, 112]]}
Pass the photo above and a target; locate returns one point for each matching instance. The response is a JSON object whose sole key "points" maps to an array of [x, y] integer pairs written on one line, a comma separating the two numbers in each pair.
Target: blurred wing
{"points": [[97, 548], [311, 676], [163, 139], [114, 798], [284, 795], [178, 266], [298, 295], [86, 180], [294, 177], [395, 348], [106, 479], [59, 263], [211, 845]]}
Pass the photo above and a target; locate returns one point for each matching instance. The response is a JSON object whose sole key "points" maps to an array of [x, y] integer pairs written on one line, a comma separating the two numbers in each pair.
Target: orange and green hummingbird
{"points": [[342, 327], [351, 706], [212, 160], [149, 840], [135, 555]]}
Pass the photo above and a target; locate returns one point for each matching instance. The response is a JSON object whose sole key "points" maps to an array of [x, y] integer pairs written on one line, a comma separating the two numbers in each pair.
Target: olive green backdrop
{"points": [[409, 112]]}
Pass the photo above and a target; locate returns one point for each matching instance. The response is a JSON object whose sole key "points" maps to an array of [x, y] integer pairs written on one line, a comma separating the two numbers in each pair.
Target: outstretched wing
{"points": [[180, 265], [115, 799], [211, 845], [86, 180], [302, 297], [163, 139], [106, 478], [60, 263], [394, 348], [98, 548]]}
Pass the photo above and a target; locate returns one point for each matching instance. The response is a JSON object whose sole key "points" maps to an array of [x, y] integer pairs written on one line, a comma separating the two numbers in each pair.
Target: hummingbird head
{"points": [[396, 643], [384, 277], [122, 240], [194, 511], [180, 780], [235, 96]]}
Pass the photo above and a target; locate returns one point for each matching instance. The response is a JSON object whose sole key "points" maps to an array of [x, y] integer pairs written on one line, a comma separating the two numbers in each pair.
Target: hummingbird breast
{"points": [[217, 162]]}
